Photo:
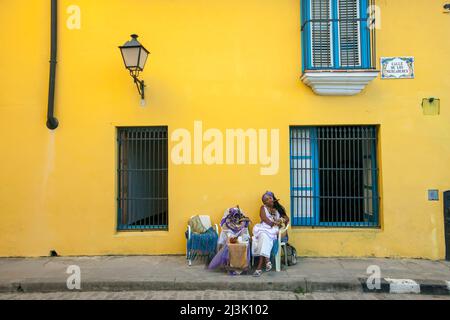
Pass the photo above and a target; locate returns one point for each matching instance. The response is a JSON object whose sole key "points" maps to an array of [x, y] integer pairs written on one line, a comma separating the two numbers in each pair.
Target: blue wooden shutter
{"points": [[304, 184], [349, 33], [321, 33]]}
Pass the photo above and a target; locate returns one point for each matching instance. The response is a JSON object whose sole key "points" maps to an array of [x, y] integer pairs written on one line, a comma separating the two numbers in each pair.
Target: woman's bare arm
{"points": [[262, 215], [284, 216]]}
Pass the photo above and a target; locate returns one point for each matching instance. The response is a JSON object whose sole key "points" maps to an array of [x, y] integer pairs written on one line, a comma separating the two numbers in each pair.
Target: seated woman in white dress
{"points": [[266, 232]]}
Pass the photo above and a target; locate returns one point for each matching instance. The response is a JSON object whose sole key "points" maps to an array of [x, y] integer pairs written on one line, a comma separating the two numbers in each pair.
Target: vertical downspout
{"points": [[52, 122]]}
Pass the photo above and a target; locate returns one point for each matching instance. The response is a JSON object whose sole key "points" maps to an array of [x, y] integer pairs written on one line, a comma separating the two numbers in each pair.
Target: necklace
{"points": [[271, 210]]}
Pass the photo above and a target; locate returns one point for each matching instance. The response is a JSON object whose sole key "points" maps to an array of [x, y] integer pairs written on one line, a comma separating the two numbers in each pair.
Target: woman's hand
{"points": [[280, 222], [277, 223]]}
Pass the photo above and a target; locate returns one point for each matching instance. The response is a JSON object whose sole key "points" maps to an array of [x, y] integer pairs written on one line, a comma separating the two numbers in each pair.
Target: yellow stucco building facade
{"points": [[216, 65]]}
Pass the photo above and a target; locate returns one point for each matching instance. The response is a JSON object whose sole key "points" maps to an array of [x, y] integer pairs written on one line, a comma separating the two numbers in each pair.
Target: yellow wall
{"points": [[230, 64]]}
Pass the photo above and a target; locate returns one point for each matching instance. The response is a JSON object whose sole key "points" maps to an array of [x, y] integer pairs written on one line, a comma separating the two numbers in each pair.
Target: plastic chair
{"points": [[206, 221], [281, 245]]}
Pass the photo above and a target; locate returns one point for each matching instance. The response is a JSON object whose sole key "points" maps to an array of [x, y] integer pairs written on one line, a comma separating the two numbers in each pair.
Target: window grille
{"points": [[142, 178], [334, 176]]}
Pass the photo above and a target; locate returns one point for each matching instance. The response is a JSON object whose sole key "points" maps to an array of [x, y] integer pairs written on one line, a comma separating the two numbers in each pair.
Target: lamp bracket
{"points": [[140, 85]]}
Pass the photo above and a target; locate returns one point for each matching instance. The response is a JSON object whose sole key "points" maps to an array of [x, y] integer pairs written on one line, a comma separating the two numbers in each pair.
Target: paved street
{"points": [[214, 295], [148, 273]]}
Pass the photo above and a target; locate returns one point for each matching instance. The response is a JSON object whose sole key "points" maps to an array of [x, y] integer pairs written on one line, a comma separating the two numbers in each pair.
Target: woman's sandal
{"points": [[234, 273], [257, 273], [268, 266]]}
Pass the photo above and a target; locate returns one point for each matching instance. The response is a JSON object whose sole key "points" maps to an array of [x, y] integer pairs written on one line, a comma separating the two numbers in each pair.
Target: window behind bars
{"points": [[334, 176], [142, 178]]}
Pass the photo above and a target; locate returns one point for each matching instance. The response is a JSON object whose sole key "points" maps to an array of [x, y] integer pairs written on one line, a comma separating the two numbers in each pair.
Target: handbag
{"points": [[291, 255]]}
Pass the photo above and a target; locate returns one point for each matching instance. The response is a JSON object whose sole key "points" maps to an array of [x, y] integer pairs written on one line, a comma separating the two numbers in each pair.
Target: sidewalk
{"points": [[126, 273]]}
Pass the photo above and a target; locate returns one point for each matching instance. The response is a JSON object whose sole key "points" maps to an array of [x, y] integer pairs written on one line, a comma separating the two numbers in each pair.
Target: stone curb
{"points": [[427, 287], [299, 286]]}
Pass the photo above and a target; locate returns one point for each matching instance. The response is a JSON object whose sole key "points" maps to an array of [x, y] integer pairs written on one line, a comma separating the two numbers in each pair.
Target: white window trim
{"points": [[340, 83]]}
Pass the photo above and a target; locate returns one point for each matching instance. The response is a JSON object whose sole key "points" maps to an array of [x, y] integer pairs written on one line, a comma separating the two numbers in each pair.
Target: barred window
{"points": [[334, 176], [142, 178]]}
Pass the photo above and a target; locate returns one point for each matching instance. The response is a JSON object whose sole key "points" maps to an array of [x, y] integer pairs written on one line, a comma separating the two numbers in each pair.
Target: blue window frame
{"points": [[336, 35], [334, 176]]}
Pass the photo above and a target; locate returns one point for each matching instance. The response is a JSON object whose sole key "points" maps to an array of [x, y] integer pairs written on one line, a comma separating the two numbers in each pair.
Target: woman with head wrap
{"points": [[273, 216], [234, 248], [234, 224]]}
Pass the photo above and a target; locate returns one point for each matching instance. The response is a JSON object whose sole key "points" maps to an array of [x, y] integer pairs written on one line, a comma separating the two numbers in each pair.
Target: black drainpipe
{"points": [[52, 122]]}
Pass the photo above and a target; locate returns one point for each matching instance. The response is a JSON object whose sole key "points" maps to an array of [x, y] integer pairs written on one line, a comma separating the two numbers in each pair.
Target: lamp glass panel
{"points": [[143, 59], [130, 57]]}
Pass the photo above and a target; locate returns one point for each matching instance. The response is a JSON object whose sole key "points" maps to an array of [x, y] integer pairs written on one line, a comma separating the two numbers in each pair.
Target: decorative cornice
{"points": [[339, 83]]}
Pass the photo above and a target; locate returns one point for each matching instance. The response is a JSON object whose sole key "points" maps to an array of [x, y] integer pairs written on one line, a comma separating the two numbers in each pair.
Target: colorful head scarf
{"points": [[276, 202], [268, 193], [235, 220]]}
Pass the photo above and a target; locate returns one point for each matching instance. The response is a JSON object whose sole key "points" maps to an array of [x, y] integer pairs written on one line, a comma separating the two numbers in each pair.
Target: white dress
{"points": [[264, 235]]}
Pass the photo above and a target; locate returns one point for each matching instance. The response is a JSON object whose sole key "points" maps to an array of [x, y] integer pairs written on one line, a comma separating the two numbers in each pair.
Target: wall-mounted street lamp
{"points": [[447, 8], [135, 56]]}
